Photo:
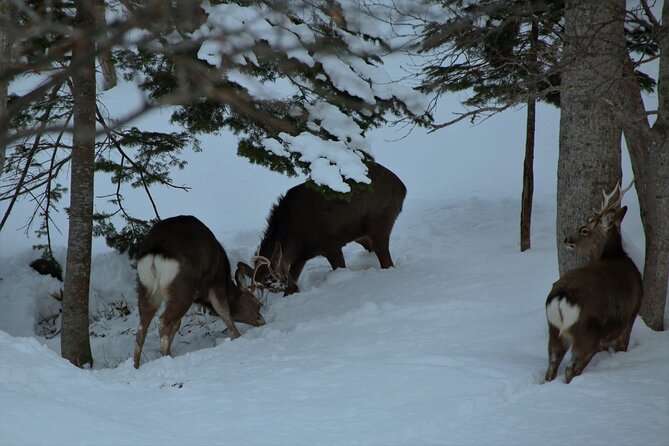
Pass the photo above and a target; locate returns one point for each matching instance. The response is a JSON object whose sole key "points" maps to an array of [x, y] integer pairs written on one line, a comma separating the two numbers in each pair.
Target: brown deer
{"points": [[305, 224], [593, 307], [181, 263]]}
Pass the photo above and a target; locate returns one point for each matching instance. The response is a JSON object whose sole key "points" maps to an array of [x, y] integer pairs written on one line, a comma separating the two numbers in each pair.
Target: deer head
{"points": [[246, 307], [591, 239]]}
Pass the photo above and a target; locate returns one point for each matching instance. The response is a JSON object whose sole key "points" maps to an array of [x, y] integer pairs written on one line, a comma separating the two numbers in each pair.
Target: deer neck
{"points": [[613, 247]]}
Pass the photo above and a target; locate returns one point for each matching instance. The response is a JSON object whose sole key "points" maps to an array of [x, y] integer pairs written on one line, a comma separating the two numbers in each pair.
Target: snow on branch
{"points": [[328, 66]]}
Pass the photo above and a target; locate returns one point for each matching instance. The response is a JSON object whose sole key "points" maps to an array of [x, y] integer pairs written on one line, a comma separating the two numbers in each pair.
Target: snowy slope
{"points": [[449, 347]]}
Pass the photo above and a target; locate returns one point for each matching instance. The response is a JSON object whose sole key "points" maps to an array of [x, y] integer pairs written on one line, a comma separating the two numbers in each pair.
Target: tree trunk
{"points": [[6, 60], [528, 163], [650, 162], [75, 343], [106, 59], [528, 179], [649, 154], [589, 158]]}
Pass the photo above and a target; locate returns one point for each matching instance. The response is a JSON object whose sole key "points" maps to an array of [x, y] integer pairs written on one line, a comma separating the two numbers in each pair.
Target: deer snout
{"points": [[260, 321], [569, 243]]}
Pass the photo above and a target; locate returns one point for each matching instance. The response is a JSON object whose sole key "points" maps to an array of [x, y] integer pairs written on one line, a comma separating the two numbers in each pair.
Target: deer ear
{"points": [[618, 218], [613, 217], [243, 272]]}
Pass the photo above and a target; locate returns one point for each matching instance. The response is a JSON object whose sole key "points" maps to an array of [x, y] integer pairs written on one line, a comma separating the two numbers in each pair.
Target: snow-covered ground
{"points": [[448, 347]]}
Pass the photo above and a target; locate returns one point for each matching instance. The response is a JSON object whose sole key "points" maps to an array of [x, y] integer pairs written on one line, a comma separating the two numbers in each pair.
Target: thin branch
{"points": [[140, 169], [470, 114], [31, 154], [649, 14], [33, 185]]}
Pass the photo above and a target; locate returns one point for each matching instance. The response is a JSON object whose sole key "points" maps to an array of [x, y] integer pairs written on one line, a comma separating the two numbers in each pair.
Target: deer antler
{"points": [[606, 205], [260, 261]]}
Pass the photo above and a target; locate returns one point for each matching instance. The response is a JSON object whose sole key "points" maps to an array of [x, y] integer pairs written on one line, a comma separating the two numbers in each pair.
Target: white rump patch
{"points": [[561, 314], [156, 271]]}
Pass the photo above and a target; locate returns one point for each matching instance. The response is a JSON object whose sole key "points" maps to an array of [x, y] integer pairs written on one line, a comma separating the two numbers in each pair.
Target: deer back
{"points": [[188, 241], [305, 223], [606, 290]]}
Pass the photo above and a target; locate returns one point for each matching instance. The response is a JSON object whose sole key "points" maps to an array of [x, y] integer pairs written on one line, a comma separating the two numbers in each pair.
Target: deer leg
{"points": [[219, 300], [169, 325], [336, 259], [291, 286], [557, 348], [382, 250], [581, 354], [148, 304], [178, 298], [296, 269], [173, 331], [624, 339]]}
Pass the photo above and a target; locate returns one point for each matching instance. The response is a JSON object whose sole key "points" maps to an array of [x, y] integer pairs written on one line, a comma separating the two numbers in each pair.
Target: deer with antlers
{"points": [[594, 307], [181, 263], [305, 224]]}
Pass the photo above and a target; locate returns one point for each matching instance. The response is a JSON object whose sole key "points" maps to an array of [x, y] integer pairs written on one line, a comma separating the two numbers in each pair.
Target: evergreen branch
{"points": [[140, 170], [31, 154], [33, 186], [119, 197], [47, 216]]}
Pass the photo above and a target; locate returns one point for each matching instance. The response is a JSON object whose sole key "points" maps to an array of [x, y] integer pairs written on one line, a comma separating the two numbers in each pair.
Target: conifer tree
{"points": [[504, 53], [215, 63]]}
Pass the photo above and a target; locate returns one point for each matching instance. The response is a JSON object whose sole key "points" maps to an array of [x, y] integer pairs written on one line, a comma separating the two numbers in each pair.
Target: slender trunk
{"points": [[106, 60], [75, 343], [589, 158], [528, 163], [6, 60], [528, 179], [649, 154]]}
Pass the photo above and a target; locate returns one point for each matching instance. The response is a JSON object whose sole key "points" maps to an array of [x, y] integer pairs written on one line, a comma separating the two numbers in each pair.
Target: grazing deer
{"points": [[181, 263], [592, 307], [305, 224]]}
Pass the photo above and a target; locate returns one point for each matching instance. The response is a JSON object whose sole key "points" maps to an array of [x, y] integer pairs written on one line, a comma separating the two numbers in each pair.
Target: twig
{"points": [[31, 154]]}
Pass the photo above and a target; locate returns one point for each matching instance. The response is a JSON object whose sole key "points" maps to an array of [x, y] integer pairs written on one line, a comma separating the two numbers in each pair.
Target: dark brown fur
{"points": [[204, 277], [608, 293], [305, 224]]}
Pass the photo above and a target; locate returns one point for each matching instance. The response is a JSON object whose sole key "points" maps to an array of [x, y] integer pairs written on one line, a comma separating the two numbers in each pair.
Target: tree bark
{"points": [[75, 343], [528, 163], [6, 59], [106, 60], [589, 158], [649, 153], [528, 179]]}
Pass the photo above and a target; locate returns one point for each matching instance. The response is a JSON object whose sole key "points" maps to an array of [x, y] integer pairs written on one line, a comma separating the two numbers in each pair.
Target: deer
{"points": [[594, 307], [304, 224], [180, 262]]}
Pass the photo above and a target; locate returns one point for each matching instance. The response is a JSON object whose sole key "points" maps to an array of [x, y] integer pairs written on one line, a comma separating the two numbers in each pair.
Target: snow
{"points": [[232, 33], [448, 347]]}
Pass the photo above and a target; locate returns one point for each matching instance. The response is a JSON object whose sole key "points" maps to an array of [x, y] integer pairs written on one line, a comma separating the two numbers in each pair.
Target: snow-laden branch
{"points": [[341, 77]]}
